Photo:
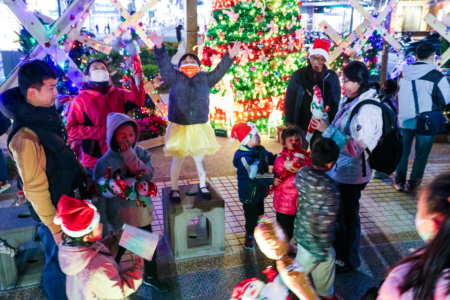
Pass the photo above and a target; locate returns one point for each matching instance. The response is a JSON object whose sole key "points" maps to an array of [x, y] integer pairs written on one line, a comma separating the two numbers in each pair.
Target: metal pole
{"points": [[59, 7], [351, 21], [385, 53]]}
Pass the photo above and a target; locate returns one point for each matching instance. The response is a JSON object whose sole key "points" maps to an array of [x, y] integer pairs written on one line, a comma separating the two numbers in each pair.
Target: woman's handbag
{"points": [[430, 122]]}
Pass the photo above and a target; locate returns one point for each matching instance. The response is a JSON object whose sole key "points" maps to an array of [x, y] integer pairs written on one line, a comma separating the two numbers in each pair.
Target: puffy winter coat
{"points": [[189, 96], [433, 92], [364, 131], [390, 291], [116, 211], [87, 117], [285, 196], [93, 275], [254, 190]]}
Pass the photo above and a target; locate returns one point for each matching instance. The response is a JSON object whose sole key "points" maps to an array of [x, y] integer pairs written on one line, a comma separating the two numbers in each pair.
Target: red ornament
{"points": [[211, 37], [299, 3], [260, 32], [47, 44], [140, 24], [72, 17], [236, 79]]}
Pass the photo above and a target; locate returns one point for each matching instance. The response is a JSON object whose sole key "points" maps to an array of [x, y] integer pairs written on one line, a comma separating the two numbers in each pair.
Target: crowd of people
{"points": [[317, 204]]}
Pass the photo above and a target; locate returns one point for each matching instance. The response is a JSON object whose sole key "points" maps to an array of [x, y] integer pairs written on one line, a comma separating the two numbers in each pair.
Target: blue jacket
{"points": [[254, 190], [189, 96]]}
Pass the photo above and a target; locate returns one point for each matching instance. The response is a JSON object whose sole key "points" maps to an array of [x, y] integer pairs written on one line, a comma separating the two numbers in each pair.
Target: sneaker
{"points": [[399, 187], [4, 187], [332, 297], [342, 267], [249, 242], [408, 188], [380, 175], [156, 284]]}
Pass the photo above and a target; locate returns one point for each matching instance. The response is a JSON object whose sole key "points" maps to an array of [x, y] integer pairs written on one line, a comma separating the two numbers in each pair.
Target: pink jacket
{"points": [[92, 275], [285, 196], [87, 117], [389, 289]]}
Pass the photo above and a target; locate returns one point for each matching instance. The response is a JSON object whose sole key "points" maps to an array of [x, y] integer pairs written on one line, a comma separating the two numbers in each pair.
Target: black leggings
{"points": [[252, 213], [287, 223], [150, 267]]}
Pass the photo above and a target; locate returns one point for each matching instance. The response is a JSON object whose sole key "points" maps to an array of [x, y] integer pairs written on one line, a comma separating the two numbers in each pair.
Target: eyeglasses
{"points": [[321, 60]]}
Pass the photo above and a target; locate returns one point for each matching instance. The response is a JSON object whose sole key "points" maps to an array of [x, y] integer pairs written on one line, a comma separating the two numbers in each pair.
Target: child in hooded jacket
{"points": [[285, 195], [87, 260], [122, 134]]}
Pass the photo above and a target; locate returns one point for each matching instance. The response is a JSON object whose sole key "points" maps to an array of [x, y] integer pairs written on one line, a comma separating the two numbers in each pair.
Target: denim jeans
{"points": [[3, 172], [424, 143], [54, 279]]}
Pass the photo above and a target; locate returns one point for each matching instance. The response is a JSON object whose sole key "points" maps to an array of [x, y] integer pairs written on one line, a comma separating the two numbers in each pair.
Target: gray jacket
{"points": [[117, 211], [433, 92], [189, 96]]}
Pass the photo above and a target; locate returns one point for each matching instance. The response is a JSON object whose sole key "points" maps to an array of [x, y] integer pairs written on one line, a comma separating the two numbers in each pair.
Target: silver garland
{"points": [[7, 250]]}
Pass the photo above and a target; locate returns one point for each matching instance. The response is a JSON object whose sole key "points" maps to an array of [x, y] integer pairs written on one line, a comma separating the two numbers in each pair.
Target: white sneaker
{"points": [[4, 187], [399, 186]]}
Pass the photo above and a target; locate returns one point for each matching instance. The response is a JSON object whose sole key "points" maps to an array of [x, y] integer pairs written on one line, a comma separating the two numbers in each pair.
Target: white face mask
{"points": [[424, 235], [99, 75]]}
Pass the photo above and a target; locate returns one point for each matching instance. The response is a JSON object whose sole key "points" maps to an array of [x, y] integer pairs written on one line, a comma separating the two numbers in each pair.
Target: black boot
{"points": [[155, 283]]}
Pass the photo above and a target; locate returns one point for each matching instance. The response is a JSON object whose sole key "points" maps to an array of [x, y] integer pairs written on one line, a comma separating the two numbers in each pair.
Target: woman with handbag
{"points": [[423, 93], [352, 172]]}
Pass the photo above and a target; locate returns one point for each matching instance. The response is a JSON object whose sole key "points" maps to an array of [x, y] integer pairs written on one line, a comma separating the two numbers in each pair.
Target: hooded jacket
{"points": [[364, 131], [87, 117], [285, 195], [93, 275], [117, 211], [254, 190], [47, 166], [433, 92], [297, 104], [189, 96]]}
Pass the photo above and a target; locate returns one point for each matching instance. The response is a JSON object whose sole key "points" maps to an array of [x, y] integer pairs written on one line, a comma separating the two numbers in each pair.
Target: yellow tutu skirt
{"points": [[194, 140]]}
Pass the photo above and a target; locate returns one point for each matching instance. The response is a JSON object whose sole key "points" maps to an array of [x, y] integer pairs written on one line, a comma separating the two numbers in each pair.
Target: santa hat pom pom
{"points": [[232, 139], [57, 221]]}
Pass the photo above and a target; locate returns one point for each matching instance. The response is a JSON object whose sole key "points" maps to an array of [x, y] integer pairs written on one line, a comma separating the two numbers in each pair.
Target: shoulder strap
{"points": [[416, 99]]}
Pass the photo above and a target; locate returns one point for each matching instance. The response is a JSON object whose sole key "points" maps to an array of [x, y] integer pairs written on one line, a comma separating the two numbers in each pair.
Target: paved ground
{"points": [[387, 225]]}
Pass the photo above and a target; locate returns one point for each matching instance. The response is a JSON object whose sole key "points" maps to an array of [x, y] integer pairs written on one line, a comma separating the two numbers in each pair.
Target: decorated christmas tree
{"points": [[255, 87]]}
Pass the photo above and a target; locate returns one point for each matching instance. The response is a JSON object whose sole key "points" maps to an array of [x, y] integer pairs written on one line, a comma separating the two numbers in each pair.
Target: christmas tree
{"points": [[255, 87]]}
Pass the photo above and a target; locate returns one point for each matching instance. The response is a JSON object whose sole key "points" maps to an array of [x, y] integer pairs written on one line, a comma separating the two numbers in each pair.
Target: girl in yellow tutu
{"points": [[189, 131]]}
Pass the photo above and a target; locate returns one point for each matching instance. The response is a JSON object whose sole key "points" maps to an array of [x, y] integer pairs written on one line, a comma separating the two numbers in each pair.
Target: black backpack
{"points": [[388, 152]]}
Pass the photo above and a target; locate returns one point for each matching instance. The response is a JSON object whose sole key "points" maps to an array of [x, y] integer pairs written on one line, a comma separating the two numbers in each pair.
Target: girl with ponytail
{"points": [[425, 274]]}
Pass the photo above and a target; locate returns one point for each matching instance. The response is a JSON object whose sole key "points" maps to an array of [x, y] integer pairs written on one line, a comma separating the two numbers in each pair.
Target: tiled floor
{"points": [[388, 234]]}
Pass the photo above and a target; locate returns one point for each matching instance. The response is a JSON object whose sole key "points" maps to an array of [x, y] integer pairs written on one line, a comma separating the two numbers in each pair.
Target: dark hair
{"points": [[324, 151], [191, 55], [97, 60], [390, 86], [425, 50], [78, 242], [33, 74], [429, 262], [288, 132], [356, 71]]}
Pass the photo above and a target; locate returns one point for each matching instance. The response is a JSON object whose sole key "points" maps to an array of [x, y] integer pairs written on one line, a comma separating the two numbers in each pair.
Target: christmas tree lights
{"points": [[271, 52]]}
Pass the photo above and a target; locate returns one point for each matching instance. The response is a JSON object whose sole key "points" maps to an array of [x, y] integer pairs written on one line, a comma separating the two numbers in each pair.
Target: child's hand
{"points": [[235, 49], [319, 125], [124, 146], [156, 39], [277, 181]]}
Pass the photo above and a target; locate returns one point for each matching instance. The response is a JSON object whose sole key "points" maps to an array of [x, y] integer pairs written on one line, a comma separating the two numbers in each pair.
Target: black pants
{"points": [[150, 267], [348, 225], [252, 213], [287, 222]]}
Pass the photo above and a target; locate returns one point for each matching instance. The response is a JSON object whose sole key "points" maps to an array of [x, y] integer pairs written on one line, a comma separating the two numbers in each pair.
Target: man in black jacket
{"points": [[297, 108]]}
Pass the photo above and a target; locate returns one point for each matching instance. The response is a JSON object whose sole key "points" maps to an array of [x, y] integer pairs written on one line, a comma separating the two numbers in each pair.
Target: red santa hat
{"points": [[244, 132], [77, 218], [321, 47], [239, 290]]}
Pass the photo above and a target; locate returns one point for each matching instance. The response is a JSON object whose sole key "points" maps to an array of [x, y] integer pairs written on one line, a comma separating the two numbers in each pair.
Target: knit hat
{"points": [[244, 132], [321, 47], [77, 218]]}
